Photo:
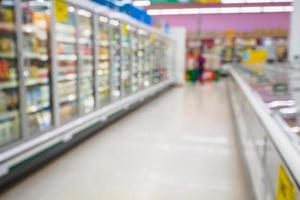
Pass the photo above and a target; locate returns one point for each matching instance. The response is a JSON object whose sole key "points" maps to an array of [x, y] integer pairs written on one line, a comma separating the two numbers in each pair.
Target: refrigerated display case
{"points": [[86, 61], [36, 55], [103, 64], [268, 127], [141, 57], [115, 52], [134, 58], [157, 62], [147, 60], [126, 59], [67, 68], [163, 60], [67, 61], [151, 57], [9, 81]]}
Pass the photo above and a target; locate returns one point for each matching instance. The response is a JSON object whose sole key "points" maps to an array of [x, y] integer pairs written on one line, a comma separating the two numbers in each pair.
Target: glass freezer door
{"points": [[115, 38], [141, 60], [126, 62], [147, 60], [67, 61], [35, 30], [134, 59], [9, 98], [103, 68], [86, 61], [156, 74]]}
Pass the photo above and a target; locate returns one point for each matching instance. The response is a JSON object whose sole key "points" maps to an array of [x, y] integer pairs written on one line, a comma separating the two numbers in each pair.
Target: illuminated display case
{"points": [[9, 72], [64, 73]]}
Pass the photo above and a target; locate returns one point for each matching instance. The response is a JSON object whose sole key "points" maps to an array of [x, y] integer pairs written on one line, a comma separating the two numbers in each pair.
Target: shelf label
{"points": [[125, 29], [285, 189], [61, 10]]}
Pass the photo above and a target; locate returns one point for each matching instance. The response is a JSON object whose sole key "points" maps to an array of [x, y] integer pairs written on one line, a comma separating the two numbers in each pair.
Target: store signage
{"points": [[61, 10], [255, 56], [185, 1], [285, 188]]}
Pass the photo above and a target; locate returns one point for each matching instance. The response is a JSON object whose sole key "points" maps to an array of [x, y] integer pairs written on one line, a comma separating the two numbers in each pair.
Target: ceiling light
{"points": [[273, 9], [190, 11], [255, 1], [225, 10], [142, 3], [251, 9], [169, 11], [209, 10], [230, 10]]}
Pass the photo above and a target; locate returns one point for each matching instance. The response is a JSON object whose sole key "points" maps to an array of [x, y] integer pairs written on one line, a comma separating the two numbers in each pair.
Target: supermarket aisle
{"points": [[179, 146]]}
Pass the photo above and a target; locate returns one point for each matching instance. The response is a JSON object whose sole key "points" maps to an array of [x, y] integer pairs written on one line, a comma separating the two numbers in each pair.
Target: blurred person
{"points": [[201, 63], [191, 67]]}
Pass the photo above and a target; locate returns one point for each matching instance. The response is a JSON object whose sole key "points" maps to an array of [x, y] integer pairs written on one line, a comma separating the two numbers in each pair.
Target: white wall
{"points": [[295, 31], [178, 34]]}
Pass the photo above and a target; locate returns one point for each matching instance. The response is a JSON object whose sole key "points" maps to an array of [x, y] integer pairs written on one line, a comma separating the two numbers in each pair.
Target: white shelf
{"points": [[8, 115], [63, 39], [68, 77], [36, 108], [103, 57], [71, 57], [67, 99], [38, 81], [8, 85], [31, 55], [86, 57], [104, 43], [84, 41], [7, 55], [4, 26]]}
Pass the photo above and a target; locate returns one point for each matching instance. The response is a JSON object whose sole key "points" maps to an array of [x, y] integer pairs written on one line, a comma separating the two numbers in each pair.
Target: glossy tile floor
{"points": [[179, 146]]}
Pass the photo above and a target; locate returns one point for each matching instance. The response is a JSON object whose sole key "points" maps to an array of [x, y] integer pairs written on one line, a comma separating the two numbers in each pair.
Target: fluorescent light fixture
{"points": [[259, 1], [209, 10], [103, 19], [84, 13], [251, 9], [186, 11], [71, 9], [153, 12], [274, 9], [255, 1], [114, 22], [142, 3], [283, 1], [224, 10], [230, 10], [170, 11], [233, 1], [289, 8]]}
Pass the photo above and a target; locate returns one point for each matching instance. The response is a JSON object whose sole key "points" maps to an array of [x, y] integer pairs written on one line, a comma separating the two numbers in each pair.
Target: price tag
{"points": [[125, 29], [285, 189], [61, 10]]}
